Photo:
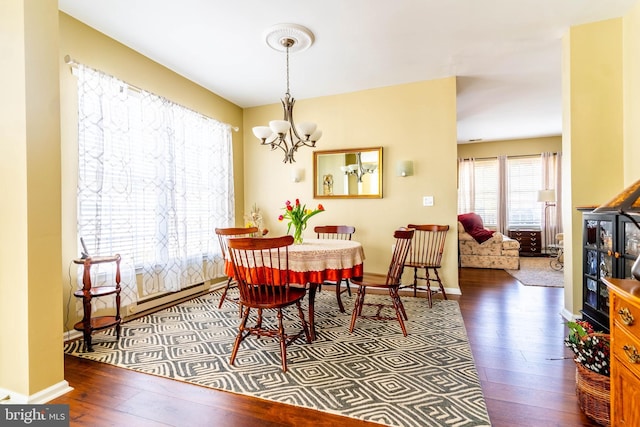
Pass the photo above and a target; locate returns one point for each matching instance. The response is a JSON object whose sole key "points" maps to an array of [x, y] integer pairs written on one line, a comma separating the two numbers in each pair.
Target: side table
{"points": [[88, 292], [556, 252]]}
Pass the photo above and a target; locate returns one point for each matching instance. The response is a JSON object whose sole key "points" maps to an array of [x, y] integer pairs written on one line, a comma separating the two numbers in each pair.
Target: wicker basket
{"points": [[593, 394]]}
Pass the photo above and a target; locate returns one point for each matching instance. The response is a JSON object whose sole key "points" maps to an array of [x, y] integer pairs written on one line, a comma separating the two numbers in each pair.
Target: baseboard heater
{"points": [[167, 300]]}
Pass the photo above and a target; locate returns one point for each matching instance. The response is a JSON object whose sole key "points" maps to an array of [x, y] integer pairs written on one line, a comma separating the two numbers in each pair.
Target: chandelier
{"points": [[359, 169], [284, 134]]}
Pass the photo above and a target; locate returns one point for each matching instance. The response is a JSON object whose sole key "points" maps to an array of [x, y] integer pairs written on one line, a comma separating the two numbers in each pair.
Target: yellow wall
{"points": [[31, 356], [631, 82], [411, 122], [414, 121], [592, 134], [512, 147], [92, 48]]}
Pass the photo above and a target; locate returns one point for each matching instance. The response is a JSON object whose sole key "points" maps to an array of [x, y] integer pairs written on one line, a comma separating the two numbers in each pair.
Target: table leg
{"points": [[312, 302]]}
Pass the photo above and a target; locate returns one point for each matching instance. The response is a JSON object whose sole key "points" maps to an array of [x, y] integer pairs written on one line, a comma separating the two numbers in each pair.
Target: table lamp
{"points": [[628, 201]]}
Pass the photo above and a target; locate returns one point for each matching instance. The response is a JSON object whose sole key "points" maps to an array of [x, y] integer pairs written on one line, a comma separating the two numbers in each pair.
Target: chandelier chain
{"points": [[288, 93]]}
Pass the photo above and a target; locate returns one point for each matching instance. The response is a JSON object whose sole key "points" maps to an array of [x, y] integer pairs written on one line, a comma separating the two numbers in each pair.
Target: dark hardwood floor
{"points": [[516, 334]]}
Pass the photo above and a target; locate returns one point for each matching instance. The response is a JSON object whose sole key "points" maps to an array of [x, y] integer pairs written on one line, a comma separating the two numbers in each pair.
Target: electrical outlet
{"points": [[427, 201]]}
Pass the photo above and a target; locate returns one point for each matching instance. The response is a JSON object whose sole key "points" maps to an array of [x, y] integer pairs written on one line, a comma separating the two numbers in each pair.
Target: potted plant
{"points": [[592, 357]]}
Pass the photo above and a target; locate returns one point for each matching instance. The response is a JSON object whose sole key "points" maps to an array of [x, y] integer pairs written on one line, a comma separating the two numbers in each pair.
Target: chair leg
{"points": [[283, 341], [440, 285], [444, 294], [400, 312], [428, 281], [305, 327], [224, 293], [241, 336], [415, 281], [338, 292], [361, 293], [259, 319], [357, 307], [399, 302]]}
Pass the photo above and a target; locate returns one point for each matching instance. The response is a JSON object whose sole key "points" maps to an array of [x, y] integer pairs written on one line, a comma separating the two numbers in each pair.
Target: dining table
{"points": [[316, 261]]}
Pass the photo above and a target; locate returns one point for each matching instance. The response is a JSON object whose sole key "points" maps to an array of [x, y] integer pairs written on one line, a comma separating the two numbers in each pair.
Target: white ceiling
{"points": [[505, 53]]}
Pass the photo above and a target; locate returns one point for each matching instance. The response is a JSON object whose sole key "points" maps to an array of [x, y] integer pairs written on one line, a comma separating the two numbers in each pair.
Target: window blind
{"points": [[154, 180]]}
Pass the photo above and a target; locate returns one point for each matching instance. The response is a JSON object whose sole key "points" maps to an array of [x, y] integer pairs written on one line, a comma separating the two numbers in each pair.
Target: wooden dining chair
{"points": [[341, 232], [426, 253], [224, 234], [391, 282], [260, 268]]}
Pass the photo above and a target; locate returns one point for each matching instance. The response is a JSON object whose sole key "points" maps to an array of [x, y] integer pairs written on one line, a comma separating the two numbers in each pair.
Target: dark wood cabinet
{"points": [[530, 241], [610, 246]]}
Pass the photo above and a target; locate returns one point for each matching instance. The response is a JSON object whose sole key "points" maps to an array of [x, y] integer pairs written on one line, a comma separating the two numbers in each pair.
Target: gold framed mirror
{"points": [[349, 174]]}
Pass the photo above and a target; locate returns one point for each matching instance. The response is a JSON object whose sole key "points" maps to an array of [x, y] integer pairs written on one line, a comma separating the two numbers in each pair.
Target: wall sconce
{"points": [[297, 175], [404, 168]]}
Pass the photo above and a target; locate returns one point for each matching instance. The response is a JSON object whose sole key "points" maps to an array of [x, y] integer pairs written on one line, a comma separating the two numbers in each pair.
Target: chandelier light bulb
{"points": [[316, 136], [280, 126], [307, 129], [262, 132]]}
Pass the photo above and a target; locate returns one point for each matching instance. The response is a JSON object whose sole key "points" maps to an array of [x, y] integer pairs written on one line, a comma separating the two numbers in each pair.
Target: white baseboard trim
{"points": [[72, 335], [567, 315], [48, 394], [449, 291], [453, 291]]}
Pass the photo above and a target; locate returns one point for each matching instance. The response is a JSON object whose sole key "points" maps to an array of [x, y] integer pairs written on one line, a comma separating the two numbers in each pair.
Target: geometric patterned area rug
{"points": [[375, 374], [537, 271]]}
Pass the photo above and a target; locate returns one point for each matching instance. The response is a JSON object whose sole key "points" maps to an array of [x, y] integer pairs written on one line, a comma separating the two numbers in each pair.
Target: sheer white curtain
{"points": [[154, 180], [552, 180], [466, 186], [478, 189], [503, 196]]}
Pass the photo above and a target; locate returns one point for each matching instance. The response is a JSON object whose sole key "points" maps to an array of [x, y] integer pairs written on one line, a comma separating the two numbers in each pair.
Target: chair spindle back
{"points": [[261, 267], [342, 232], [224, 234], [401, 249], [428, 245]]}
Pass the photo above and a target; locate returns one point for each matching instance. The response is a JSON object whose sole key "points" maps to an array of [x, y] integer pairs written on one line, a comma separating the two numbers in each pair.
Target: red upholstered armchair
{"points": [[483, 248]]}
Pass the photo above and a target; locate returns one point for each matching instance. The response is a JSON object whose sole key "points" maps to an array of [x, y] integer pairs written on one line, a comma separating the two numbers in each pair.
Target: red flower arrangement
{"points": [[592, 349], [298, 215]]}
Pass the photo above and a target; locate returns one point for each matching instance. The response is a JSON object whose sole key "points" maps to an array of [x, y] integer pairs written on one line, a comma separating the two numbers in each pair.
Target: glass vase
{"points": [[297, 235]]}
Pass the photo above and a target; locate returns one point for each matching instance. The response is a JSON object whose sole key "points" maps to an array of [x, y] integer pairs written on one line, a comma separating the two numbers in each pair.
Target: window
{"points": [[154, 180], [480, 184], [524, 176], [486, 191]]}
